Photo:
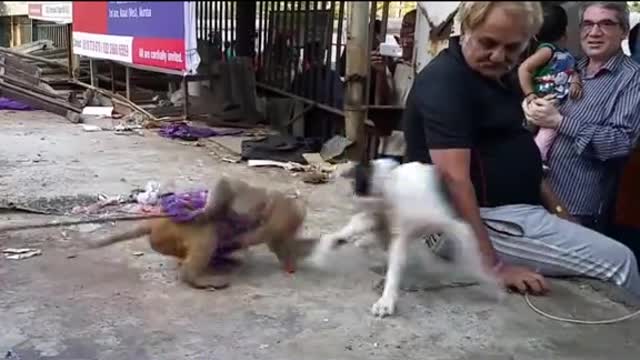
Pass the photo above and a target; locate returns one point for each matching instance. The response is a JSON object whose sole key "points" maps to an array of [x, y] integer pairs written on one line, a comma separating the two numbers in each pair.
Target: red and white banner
{"points": [[151, 34], [54, 11]]}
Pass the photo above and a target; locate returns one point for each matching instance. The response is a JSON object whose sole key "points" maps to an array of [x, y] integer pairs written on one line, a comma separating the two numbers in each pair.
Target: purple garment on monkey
{"points": [[183, 207]]}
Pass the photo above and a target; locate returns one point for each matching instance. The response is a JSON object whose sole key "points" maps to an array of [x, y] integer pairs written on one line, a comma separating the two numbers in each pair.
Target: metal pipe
{"points": [[313, 50], [301, 98], [295, 44], [385, 20], [270, 41], [356, 75], [69, 34], [372, 40], [277, 20], [341, 13], [305, 40], [329, 45], [227, 37], [289, 25], [127, 81]]}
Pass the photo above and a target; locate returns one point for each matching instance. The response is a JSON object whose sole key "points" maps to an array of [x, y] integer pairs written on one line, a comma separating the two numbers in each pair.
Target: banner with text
{"points": [[156, 34], [54, 11]]}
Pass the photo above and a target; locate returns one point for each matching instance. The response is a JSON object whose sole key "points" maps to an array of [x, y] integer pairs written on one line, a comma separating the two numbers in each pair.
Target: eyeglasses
{"points": [[604, 25]]}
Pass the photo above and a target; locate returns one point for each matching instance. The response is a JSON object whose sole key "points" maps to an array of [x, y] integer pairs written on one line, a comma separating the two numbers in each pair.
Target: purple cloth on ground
{"points": [[192, 133], [8, 104], [184, 207]]}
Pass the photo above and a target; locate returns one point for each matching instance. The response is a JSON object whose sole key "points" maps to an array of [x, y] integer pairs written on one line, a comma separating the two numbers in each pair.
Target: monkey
{"points": [[269, 217]]}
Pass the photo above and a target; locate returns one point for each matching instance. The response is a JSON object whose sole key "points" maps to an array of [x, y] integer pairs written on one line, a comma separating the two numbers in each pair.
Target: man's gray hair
{"points": [[620, 7]]}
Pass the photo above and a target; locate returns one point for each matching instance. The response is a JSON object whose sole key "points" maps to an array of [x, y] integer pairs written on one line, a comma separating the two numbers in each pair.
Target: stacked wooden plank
{"points": [[21, 78]]}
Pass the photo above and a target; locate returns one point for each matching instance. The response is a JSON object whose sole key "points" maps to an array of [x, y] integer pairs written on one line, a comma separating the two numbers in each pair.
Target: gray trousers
{"points": [[530, 236]]}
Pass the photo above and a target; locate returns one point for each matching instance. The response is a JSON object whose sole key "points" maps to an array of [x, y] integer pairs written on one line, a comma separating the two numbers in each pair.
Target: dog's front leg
{"points": [[397, 260], [359, 223]]}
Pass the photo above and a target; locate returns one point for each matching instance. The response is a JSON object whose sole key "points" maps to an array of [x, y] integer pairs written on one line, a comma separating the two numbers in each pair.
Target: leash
{"points": [[79, 222], [578, 321]]}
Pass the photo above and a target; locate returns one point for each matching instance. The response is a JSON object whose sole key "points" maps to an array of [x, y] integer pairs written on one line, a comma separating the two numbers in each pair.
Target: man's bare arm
{"points": [[454, 166]]}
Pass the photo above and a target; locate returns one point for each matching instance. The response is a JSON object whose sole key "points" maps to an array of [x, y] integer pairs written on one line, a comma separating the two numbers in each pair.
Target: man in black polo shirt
{"points": [[464, 115]]}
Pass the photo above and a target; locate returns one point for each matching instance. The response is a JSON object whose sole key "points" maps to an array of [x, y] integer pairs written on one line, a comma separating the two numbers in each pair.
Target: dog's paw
{"points": [[320, 253], [385, 306], [318, 258]]}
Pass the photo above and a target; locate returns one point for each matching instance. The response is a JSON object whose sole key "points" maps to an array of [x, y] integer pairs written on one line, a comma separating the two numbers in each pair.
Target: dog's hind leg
{"points": [[386, 305]]}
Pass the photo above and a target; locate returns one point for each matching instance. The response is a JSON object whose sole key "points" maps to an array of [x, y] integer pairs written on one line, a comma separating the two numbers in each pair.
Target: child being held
{"points": [[550, 71]]}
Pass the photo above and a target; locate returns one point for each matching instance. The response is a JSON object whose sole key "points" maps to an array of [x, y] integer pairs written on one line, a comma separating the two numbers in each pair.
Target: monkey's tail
{"points": [[137, 232]]}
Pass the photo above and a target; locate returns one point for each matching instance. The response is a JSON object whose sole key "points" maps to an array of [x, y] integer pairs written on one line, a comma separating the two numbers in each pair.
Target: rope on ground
{"points": [[578, 321]]}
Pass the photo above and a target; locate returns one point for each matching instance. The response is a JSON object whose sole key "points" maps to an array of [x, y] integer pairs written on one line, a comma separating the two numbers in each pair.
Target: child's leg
{"points": [[544, 139]]}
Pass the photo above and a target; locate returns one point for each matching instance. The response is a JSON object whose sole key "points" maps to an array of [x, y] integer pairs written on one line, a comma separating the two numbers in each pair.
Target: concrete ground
{"points": [[73, 304]]}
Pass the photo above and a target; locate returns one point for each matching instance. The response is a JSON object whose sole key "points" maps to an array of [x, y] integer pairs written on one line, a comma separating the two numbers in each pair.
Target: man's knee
{"points": [[623, 261]]}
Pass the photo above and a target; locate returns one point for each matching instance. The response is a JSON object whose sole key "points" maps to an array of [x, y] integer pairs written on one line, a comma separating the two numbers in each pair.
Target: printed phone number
{"points": [[103, 47]]}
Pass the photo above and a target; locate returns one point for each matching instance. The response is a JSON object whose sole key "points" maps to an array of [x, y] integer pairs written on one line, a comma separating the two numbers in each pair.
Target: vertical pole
{"points": [[127, 82], [70, 51], [112, 72], [356, 74], [245, 28], [12, 40], [93, 69], [385, 20], [186, 97]]}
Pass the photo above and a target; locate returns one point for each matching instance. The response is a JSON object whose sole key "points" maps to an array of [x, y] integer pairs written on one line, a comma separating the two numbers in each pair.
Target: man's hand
{"points": [[522, 280], [377, 62], [542, 112]]}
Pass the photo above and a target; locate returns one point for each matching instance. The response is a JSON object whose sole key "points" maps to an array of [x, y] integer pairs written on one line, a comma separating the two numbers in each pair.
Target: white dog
{"points": [[412, 197]]}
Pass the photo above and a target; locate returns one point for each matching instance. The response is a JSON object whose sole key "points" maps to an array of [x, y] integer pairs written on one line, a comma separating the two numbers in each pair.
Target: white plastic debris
{"points": [[150, 195], [291, 166], [105, 111], [91, 128], [20, 254], [138, 253]]}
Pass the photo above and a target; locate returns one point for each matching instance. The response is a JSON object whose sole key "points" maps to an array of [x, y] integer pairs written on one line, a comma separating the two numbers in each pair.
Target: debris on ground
{"points": [[105, 111], [87, 228], [91, 128], [10, 355], [290, 166], [20, 254], [138, 253], [334, 147], [187, 132], [8, 104], [280, 148], [316, 178], [151, 194]]}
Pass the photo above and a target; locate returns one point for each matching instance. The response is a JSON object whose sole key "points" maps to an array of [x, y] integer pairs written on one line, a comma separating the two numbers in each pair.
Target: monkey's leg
{"points": [[194, 266]]}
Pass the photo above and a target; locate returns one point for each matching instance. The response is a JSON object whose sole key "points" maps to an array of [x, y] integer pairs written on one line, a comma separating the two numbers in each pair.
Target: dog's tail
{"points": [[138, 231]]}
